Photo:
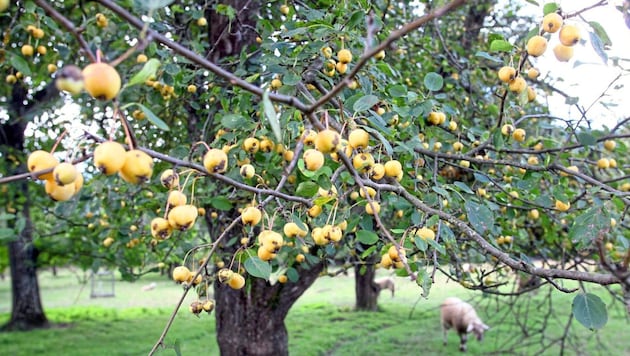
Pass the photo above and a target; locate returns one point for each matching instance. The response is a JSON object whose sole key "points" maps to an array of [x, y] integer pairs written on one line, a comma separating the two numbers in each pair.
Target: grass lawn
{"points": [[322, 322]]}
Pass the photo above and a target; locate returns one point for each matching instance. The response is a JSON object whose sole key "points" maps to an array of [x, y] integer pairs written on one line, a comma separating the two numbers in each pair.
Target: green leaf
{"points": [[586, 139], [257, 267], [424, 281], [221, 203], [479, 215], [550, 7], [153, 118], [489, 57], [149, 69], [226, 10], [272, 116], [601, 33], [589, 225], [598, 46], [433, 81], [234, 121], [421, 244], [365, 103], [590, 311], [397, 91], [307, 189], [464, 187], [20, 64], [500, 46], [367, 237]]}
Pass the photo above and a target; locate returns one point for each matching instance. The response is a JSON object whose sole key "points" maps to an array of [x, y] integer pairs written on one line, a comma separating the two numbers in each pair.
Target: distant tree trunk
{"points": [[250, 321], [365, 289], [26, 312], [477, 13]]}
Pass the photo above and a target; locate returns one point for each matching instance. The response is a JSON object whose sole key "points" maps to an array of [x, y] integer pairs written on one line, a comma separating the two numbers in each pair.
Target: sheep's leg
{"points": [[392, 289], [444, 331], [462, 345]]}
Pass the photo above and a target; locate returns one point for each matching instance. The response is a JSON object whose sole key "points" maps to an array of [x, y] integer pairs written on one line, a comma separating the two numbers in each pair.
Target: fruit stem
{"points": [[54, 147], [130, 138]]}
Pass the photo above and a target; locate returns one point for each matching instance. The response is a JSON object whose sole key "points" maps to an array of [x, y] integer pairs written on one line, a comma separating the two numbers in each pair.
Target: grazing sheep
{"points": [[385, 283], [461, 316]]}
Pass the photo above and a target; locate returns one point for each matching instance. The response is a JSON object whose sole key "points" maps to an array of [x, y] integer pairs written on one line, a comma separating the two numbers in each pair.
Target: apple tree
{"points": [[253, 145]]}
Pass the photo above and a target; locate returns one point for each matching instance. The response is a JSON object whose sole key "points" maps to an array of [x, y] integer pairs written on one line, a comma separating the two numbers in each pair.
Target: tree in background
{"points": [[308, 134]]}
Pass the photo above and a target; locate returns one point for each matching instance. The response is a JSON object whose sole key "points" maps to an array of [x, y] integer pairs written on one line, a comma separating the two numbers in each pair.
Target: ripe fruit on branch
{"points": [[292, 229], [425, 233], [160, 228], [181, 274], [138, 167], [169, 179], [27, 50], [344, 56], [519, 135], [533, 73], [610, 145], [393, 169], [215, 161], [108, 241], [327, 141], [363, 162], [552, 22], [517, 85], [507, 129], [59, 192], [393, 254], [270, 240], [69, 79], [372, 208], [176, 198], [236, 281], [569, 35], [536, 46], [332, 233], [562, 206], [65, 173], [251, 216], [101, 81], [247, 171], [109, 157], [251, 145], [314, 211], [563, 53], [265, 254], [603, 163], [182, 217], [39, 160], [436, 117], [313, 159], [358, 139], [377, 172]]}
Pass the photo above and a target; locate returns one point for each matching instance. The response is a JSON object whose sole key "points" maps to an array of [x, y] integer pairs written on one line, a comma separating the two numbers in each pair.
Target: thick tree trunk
{"points": [[366, 290], [27, 311], [250, 321]]}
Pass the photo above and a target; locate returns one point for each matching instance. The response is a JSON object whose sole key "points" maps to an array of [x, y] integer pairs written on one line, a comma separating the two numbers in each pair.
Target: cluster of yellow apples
{"points": [[568, 34], [504, 240], [518, 135], [181, 274], [167, 91], [180, 214], [605, 163], [198, 306], [395, 258], [63, 182], [332, 66], [356, 147], [37, 33], [100, 80], [516, 82]]}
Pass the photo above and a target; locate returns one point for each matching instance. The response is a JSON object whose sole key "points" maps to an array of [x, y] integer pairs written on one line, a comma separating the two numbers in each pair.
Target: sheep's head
{"points": [[478, 328]]}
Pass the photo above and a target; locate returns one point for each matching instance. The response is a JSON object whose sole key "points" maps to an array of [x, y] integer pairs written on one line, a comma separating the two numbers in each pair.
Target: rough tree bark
{"points": [[26, 311], [366, 291], [250, 321]]}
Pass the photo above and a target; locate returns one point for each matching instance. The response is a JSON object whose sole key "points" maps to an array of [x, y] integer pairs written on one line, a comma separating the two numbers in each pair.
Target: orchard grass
{"points": [[322, 322]]}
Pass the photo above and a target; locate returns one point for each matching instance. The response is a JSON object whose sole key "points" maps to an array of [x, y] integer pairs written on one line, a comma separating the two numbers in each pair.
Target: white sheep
{"points": [[385, 283], [457, 314]]}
